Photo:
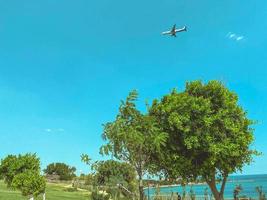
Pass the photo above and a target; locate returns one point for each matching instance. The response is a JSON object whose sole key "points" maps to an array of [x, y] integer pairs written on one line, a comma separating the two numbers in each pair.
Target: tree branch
{"points": [[223, 184]]}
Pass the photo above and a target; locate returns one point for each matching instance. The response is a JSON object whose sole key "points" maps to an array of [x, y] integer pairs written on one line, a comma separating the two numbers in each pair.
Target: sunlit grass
{"points": [[53, 192]]}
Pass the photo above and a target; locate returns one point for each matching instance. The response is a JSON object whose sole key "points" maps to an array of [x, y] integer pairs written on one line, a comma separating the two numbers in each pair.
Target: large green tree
{"points": [[64, 171], [209, 134], [131, 137], [22, 172]]}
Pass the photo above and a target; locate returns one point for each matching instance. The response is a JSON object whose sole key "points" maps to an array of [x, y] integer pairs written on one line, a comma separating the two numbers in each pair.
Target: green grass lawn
{"points": [[53, 192]]}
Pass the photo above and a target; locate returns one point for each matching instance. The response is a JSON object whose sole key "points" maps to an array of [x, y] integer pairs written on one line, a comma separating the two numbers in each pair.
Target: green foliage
{"points": [[86, 159], [132, 137], [111, 173], [13, 165], [209, 134], [29, 183], [22, 172], [90, 179], [99, 196], [64, 171]]}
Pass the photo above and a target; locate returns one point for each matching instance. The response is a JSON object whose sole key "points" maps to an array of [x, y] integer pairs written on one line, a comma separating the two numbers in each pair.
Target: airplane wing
{"points": [[166, 33]]}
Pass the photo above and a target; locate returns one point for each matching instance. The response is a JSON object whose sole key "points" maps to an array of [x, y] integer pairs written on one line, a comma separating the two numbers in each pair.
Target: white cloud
{"points": [[48, 130], [234, 36], [240, 38], [57, 130]]}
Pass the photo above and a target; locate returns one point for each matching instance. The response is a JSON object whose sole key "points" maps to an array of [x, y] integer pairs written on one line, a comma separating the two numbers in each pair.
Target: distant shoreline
{"points": [[230, 180], [176, 185]]}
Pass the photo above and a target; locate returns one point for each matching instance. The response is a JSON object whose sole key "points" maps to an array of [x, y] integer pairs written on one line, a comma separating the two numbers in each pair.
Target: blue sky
{"points": [[65, 65]]}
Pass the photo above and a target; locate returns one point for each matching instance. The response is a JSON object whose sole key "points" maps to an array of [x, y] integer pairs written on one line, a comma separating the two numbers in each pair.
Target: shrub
{"points": [[100, 196]]}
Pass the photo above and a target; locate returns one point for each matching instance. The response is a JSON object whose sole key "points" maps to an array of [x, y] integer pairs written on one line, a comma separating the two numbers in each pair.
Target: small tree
{"points": [[13, 165], [64, 171], [29, 183], [111, 172], [22, 172], [132, 137], [209, 134]]}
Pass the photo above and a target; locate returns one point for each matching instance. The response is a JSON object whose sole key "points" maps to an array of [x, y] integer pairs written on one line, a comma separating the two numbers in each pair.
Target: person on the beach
{"points": [[179, 196]]}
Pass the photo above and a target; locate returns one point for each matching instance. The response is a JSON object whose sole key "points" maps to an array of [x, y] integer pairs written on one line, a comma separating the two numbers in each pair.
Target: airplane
{"points": [[173, 31]]}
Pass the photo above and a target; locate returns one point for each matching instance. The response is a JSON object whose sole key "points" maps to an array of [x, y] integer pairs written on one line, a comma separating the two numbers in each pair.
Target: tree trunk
{"points": [[223, 186], [218, 195], [43, 196], [141, 188], [214, 191], [212, 184], [31, 198]]}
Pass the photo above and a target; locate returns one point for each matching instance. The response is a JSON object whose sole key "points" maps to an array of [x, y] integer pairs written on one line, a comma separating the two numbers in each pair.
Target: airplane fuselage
{"points": [[174, 31]]}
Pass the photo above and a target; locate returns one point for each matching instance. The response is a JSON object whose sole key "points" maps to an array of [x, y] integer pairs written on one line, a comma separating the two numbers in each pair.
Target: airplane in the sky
{"points": [[173, 31]]}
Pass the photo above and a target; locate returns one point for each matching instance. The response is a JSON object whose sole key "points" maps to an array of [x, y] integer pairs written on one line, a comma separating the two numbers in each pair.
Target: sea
{"points": [[247, 182]]}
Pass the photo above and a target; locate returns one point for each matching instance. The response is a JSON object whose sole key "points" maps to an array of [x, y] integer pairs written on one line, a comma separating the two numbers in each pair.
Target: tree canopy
{"points": [[13, 165], [29, 183], [64, 171], [132, 136], [209, 134], [111, 172], [23, 172]]}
